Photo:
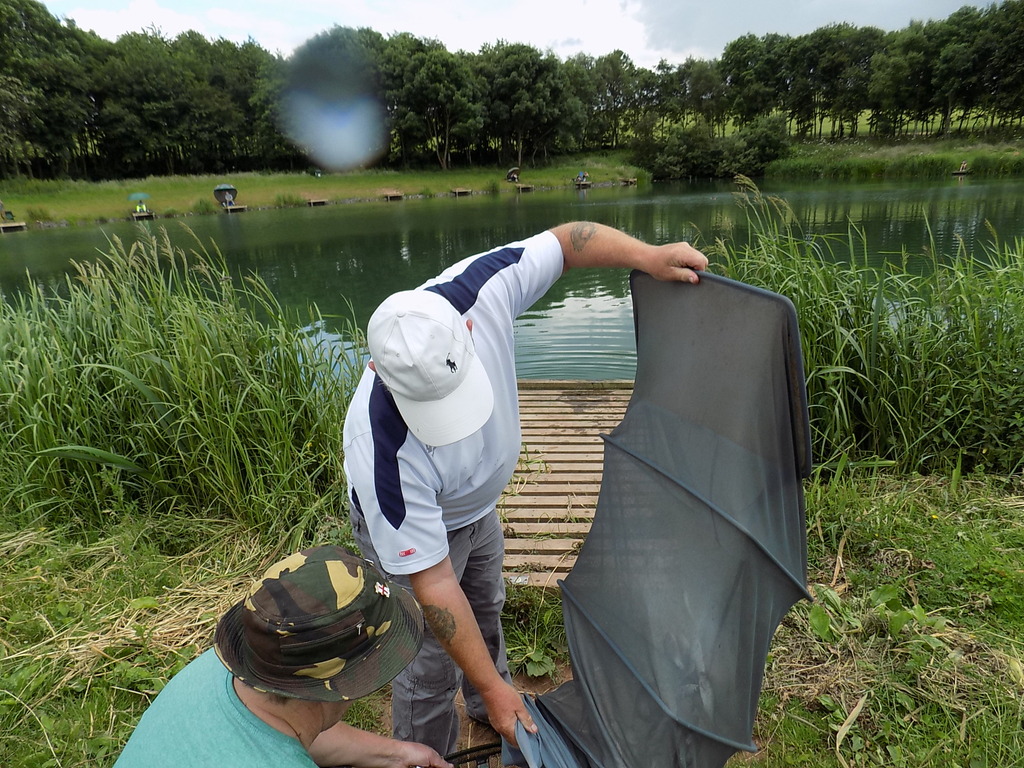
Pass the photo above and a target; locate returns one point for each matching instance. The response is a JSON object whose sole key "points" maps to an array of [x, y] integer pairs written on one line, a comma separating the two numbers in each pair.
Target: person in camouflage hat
{"points": [[320, 629]]}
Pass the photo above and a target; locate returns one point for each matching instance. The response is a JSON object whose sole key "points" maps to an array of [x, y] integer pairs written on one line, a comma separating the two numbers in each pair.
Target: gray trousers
{"points": [[423, 696]]}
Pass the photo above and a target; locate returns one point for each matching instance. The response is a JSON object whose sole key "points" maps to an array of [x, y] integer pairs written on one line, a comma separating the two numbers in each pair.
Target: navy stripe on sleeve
{"points": [[462, 290], [389, 434]]}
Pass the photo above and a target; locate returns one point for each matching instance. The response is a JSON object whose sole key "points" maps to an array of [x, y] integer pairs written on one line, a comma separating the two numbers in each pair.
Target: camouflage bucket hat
{"points": [[323, 625]]}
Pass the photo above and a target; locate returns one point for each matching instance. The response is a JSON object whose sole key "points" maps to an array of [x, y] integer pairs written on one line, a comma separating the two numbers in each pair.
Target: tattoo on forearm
{"points": [[581, 234], [441, 621]]}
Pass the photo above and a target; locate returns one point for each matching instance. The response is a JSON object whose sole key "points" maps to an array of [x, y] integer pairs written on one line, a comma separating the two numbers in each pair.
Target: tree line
{"points": [[73, 105]]}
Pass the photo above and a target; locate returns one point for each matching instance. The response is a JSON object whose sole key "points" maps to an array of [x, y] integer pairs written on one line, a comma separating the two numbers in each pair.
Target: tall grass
{"points": [[921, 369], [154, 386]]}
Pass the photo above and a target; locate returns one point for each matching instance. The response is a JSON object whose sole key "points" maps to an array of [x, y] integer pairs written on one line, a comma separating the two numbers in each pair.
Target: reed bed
{"points": [[916, 364], [155, 386]]}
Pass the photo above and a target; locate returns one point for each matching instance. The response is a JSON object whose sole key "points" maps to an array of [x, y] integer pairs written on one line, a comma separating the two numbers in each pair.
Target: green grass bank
{"points": [[862, 160], [78, 202]]}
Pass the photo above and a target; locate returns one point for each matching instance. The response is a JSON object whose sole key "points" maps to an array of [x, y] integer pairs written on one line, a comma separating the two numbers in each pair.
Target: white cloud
{"points": [[112, 19], [703, 29], [647, 30]]}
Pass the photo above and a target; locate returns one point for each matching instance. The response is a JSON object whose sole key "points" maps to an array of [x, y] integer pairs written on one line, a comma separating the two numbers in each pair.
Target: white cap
{"points": [[424, 354]]}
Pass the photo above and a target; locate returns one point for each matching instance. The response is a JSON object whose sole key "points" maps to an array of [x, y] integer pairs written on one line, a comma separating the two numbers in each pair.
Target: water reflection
{"points": [[346, 259]]}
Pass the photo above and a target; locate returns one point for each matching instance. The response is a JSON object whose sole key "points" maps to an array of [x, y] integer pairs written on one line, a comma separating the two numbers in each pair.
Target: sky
{"points": [[646, 30]]}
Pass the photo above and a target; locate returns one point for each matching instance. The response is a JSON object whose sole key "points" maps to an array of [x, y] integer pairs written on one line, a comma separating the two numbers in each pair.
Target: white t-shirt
{"points": [[411, 494]]}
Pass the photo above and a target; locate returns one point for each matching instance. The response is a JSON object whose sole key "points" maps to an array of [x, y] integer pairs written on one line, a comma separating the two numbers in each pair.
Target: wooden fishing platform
{"points": [[12, 226], [524, 187], [316, 202], [392, 194], [141, 215], [235, 208], [548, 506], [461, 191]]}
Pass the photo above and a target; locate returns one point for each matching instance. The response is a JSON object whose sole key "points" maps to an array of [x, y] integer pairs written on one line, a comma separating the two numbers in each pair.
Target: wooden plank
{"points": [[534, 562], [532, 523], [539, 493], [543, 580], [547, 546], [521, 530], [548, 506]]}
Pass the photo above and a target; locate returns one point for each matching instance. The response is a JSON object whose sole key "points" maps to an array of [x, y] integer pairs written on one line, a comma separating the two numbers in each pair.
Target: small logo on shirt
{"points": [[451, 364], [407, 552]]}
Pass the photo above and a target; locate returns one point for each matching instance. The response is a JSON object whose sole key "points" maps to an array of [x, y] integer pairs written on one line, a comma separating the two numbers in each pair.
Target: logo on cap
{"points": [[451, 364]]}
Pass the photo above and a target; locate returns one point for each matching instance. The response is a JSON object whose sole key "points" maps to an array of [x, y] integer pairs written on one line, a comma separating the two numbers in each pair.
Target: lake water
{"points": [[342, 256]]}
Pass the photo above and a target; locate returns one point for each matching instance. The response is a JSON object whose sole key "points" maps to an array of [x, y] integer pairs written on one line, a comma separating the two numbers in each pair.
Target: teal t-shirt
{"points": [[197, 720]]}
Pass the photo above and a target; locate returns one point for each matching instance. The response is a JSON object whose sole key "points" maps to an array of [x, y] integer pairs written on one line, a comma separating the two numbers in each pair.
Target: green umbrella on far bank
{"points": [[225, 194]]}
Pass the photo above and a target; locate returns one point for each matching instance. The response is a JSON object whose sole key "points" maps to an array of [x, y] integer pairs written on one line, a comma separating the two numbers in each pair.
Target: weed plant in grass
{"points": [[911, 654], [921, 370], [153, 387]]}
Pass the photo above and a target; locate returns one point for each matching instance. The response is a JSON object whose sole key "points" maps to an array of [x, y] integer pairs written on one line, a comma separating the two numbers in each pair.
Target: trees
{"points": [[16, 111], [143, 92], [1004, 62], [706, 94], [525, 97], [615, 80], [846, 93], [406, 128], [444, 96], [72, 104], [582, 127], [47, 89], [751, 85]]}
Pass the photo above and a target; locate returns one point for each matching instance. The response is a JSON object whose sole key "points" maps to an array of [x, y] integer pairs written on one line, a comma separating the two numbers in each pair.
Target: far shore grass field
{"points": [[61, 203], [72, 203]]}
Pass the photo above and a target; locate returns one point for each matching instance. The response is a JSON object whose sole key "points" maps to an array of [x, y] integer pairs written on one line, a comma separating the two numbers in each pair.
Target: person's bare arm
{"points": [[586, 244], [343, 744], [451, 619]]}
